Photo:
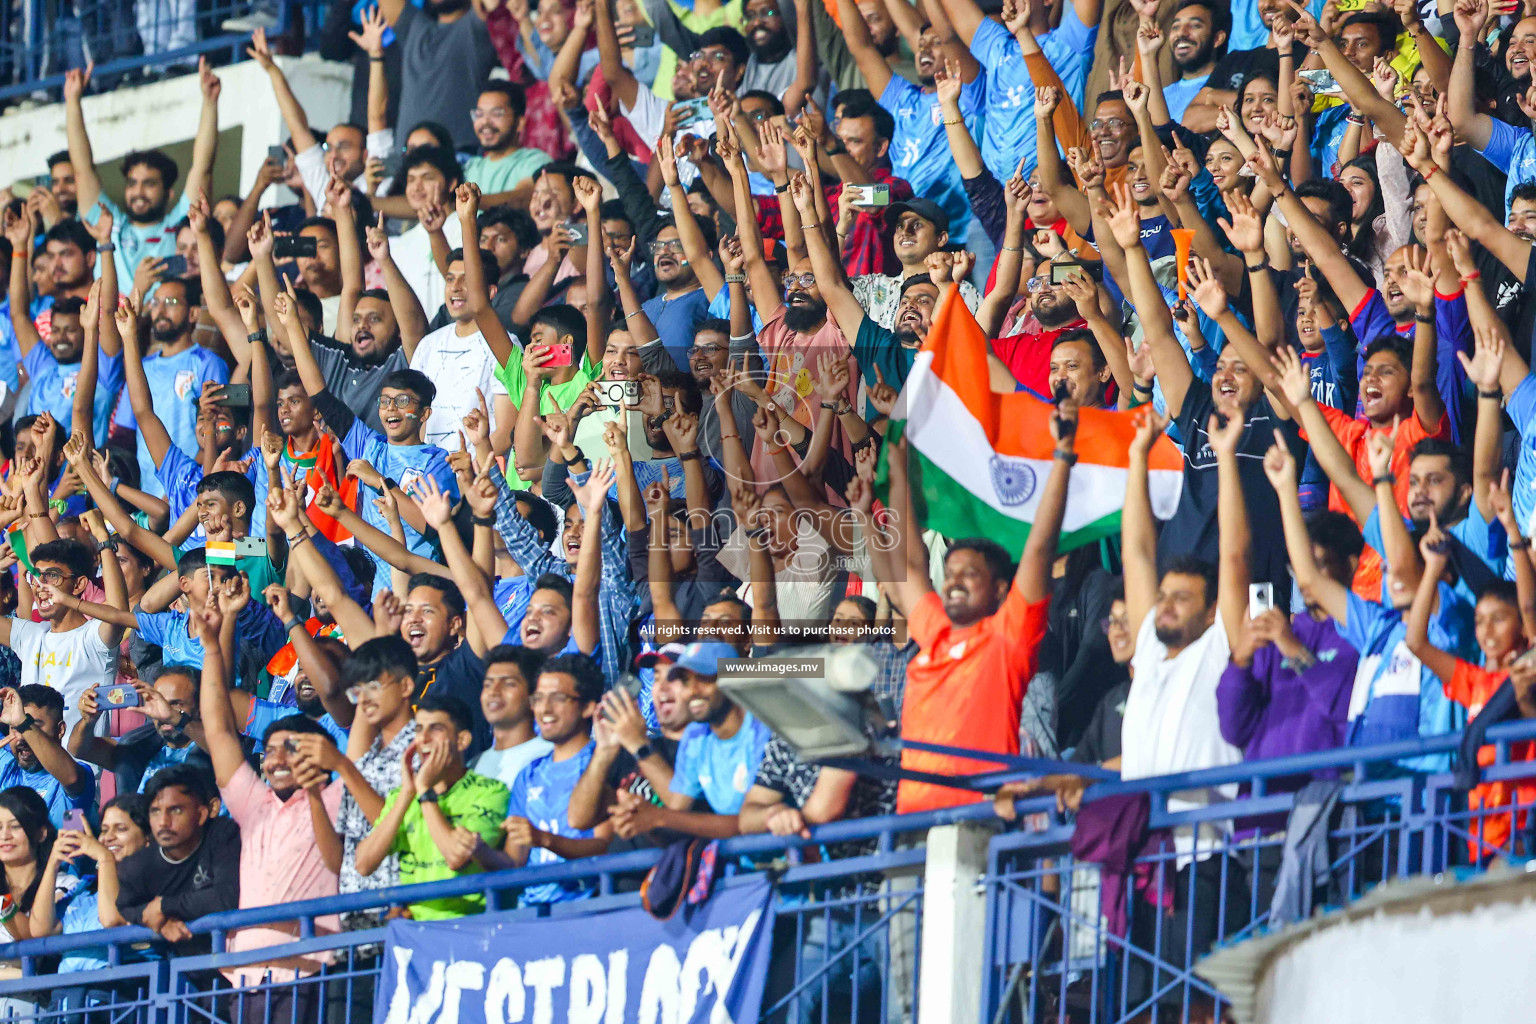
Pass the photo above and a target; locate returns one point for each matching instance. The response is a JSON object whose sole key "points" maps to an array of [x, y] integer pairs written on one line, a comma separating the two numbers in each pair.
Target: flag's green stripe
{"points": [[19, 545]]}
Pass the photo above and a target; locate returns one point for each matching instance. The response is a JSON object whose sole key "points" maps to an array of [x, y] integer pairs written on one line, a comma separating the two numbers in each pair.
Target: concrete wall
{"points": [[164, 116]]}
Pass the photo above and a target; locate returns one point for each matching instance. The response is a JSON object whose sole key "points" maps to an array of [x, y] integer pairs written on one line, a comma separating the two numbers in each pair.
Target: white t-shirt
{"points": [[506, 764], [311, 165], [412, 252], [1171, 723], [457, 366], [70, 662]]}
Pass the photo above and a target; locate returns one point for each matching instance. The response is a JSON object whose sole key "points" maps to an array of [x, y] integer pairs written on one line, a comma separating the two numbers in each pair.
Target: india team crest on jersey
{"points": [[184, 380], [67, 385], [410, 477]]}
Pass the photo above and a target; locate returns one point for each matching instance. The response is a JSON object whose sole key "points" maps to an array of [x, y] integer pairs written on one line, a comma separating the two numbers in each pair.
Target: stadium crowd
{"points": [[399, 525]]}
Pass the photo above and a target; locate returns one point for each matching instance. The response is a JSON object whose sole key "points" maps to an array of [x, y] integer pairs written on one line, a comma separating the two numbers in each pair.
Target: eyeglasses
{"points": [[157, 303], [1115, 622], [805, 280], [671, 245], [709, 349], [1038, 284], [554, 700], [396, 401], [480, 115], [719, 58], [1113, 124], [358, 691], [52, 577]]}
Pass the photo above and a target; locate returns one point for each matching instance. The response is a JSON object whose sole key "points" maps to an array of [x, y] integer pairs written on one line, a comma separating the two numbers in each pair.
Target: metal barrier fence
{"points": [[1210, 878], [42, 39], [846, 934], [847, 930]]}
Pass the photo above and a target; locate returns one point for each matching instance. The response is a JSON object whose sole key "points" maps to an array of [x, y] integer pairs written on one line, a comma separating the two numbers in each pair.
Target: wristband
{"points": [[288, 626], [483, 520], [1472, 276], [1136, 385], [1013, 248], [1070, 458], [693, 456], [429, 797], [781, 189], [390, 484], [294, 542], [868, 442], [830, 405], [577, 456], [376, 60], [1431, 172], [957, 120], [1495, 394], [106, 247], [735, 278], [743, 337], [15, 256], [25, 724], [811, 224], [37, 515], [643, 751], [110, 542], [773, 451], [257, 336], [58, 505], [1261, 265], [1385, 478], [1518, 545], [1421, 318]]}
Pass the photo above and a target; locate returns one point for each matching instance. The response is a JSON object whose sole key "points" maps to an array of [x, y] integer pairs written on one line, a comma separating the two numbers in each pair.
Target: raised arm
{"points": [[1226, 436], [694, 247], [1168, 356], [1470, 122], [220, 732], [1434, 547], [205, 146], [611, 59], [402, 297], [467, 201], [876, 72], [487, 622], [81, 157], [1317, 587], [1138, 535], [586, 609], [1295, 387], [287, 103]]}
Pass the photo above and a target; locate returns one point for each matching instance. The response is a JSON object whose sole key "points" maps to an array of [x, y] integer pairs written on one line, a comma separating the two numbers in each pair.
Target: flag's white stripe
{"points": [[941, 427]]}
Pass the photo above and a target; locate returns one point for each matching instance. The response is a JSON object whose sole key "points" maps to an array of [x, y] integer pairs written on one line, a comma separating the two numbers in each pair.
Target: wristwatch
{"points": [[25, 724], [644, 751], [429, 797]]}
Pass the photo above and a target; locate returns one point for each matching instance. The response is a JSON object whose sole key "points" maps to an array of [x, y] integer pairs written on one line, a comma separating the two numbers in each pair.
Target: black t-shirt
{"points": [[1101, 740], [205, 883], [1192, 530], [459, 673], [625, 774], [1515, 302], [1232, 70]]}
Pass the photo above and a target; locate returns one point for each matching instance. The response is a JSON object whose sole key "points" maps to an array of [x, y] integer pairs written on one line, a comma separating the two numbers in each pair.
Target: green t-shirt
{"points": [[475, 802], [551, 396], [505, 174]]}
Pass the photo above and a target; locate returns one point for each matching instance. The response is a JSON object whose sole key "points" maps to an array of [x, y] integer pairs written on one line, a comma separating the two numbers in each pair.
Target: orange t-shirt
{"points": [[1353, 434], [1471, 686], [965, 689]]}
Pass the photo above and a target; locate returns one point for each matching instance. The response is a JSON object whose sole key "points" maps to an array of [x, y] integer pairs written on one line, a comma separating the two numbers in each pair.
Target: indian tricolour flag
{"points": [[979, 460]]}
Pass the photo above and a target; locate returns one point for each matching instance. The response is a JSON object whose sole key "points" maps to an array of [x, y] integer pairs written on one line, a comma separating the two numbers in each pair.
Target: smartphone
{"points": [[559, 355], [111, 696], [45, 181], [174, 265], [74, 821], [618, 393], [1321, 82], [877, 194], [278, 154], [291, 247], [576, 231], [1261, 598], [233, 396], [694, 111], [1527, 658]]}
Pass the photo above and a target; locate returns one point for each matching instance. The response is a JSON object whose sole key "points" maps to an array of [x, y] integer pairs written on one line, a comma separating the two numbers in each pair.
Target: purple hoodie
{"points": [[1269, 710]]}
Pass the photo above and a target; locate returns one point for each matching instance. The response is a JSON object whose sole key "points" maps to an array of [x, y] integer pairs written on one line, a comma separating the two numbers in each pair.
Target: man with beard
{"points": [[283, 856], [144, 226], [165, 387], [61, 175], [711, 355], [1227, 77], [774, 36], [446, 54], [503, 164], [1197, 38], [387, 325], [171, 736], [717, 758], [54, 368], [346, 147], [1009, 126], [35, 757], [920, 148], [1362, 38], [834, 53], [681, 303], [69, 257], [1235, 390], [67, 650]]}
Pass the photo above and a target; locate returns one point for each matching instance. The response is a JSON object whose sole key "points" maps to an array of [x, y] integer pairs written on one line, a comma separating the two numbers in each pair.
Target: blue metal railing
{"points": [[42, 39], [1046, 943], [1050, 950]]}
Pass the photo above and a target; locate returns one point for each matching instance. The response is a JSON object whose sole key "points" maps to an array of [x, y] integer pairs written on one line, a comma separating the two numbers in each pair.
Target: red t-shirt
{"points": [[1471, 686]]}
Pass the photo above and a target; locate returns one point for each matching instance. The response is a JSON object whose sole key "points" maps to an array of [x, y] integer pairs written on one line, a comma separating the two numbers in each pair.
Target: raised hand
{"points": [[1487, 358], [436, 507], [1206, 288], [594, 492], [948, 84], [1280, 465], [1149, 427], [371, 39], [1123, 216]]}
